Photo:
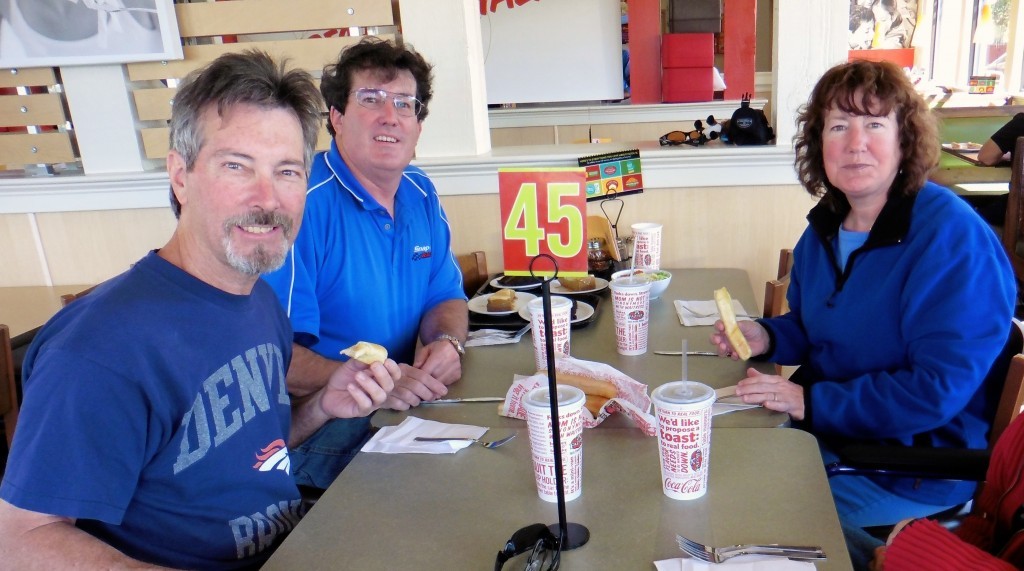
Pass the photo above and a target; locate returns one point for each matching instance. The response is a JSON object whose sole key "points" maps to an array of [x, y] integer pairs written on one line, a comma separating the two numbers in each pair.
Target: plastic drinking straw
{"points": [[684, 359]]}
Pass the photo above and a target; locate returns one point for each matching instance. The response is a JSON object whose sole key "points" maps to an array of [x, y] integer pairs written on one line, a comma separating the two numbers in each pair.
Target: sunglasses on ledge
{"points": [[536, 539], [674, 138]]}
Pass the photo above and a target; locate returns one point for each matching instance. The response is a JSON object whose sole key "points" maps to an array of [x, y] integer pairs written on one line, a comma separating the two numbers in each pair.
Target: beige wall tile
{"points": [[89, 247], [20, 264]]}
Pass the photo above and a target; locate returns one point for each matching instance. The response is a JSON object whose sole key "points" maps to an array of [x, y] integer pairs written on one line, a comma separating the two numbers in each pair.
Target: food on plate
{"points": [[588, 385], [968, 146], [366, 352], [724, 302], [518, 281], [594, 403], [578, 284], [502, 300]]}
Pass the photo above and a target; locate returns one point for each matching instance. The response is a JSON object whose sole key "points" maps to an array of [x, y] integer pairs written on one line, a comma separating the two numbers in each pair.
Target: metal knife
{"points": [[699, 353], [471, 399]]}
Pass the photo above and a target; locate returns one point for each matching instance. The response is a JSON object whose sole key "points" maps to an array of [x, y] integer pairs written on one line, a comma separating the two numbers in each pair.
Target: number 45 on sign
{"points": [[542, 212]]}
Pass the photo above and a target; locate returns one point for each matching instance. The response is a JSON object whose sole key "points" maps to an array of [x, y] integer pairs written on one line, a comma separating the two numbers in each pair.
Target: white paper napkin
{"points": [[726, 401], [739, 563], [399, 439], [685, 310], [490, 337]]}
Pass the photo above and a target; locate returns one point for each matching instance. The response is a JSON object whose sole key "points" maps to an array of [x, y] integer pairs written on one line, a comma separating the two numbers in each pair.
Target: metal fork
{"points": [[720, 554], [484, 443]]}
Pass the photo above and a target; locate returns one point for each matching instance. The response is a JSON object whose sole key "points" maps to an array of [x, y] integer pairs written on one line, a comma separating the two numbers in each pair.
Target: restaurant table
{"points": [[444, 512], [27, 307], [488, 371], [958, 168]]}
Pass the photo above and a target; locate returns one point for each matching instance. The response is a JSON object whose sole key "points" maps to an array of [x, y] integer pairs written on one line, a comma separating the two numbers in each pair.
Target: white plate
{"points": [[557, 287], [479, 304], [584, 311], [968, 147], [496, 284]]}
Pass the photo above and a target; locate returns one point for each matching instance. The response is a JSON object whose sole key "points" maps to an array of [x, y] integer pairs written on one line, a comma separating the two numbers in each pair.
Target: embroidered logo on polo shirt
{"points": [[420, 253], [274, 456]]}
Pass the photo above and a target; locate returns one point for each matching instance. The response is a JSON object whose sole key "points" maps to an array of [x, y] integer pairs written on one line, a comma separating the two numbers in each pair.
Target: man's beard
{"points": [[262, 259]]}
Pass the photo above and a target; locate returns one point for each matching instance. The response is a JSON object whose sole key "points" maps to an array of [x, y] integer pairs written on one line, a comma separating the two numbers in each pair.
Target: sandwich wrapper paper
{"points": [[632, 399], [688, 311], [738, 563], [399, 439]]}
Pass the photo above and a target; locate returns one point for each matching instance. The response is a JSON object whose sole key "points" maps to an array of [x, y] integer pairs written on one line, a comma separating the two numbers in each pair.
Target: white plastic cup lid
{"points": [[682, 392]]}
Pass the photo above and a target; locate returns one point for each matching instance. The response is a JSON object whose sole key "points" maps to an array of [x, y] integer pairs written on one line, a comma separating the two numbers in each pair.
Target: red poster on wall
{"points": [[543, 211]]}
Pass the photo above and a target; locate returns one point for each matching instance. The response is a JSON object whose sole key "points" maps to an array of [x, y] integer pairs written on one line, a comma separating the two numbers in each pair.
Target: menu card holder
{"points": [[570, 535]]}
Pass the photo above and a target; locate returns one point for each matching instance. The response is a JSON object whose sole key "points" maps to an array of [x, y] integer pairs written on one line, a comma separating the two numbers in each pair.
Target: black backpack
{"points": [[749, 126]]}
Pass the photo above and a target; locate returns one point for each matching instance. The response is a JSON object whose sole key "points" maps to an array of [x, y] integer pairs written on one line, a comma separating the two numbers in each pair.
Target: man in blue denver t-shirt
{"points": [[373, 260], [156, 422]]}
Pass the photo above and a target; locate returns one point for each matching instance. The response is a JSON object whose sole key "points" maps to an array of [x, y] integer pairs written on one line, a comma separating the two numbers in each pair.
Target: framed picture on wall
{"points": [[48, 33]]}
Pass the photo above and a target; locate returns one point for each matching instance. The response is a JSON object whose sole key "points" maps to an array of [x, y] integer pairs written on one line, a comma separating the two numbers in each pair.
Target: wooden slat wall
{"points": [[40, 108], [217, 19]]}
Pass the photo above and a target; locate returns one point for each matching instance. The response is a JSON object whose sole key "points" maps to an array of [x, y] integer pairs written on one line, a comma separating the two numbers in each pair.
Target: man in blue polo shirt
{"points": [[373, 258]]}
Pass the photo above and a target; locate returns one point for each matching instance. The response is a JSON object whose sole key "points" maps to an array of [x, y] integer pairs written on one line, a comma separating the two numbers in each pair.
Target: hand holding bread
{"points": [[366, 352], [732, 329]]}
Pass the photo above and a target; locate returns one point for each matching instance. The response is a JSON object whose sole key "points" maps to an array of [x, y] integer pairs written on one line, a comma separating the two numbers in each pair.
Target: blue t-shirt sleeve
{"points": [[81, 441]]}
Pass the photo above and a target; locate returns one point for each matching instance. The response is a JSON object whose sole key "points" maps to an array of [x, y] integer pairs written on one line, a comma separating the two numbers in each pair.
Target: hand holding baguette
{"points": [[736, 339]]}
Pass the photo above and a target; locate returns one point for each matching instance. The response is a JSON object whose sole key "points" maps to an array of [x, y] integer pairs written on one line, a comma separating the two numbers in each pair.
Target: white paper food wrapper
{"points": [[632, 399]]}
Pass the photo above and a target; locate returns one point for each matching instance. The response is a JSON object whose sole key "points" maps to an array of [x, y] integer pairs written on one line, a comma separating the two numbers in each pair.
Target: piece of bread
{"points": [[366, 352], [589, 385], [732, 329], [502, 300], [578, 284]]}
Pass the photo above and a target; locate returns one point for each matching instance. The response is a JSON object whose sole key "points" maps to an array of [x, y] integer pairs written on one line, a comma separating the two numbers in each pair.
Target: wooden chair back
{"points": [[474, 271], [775, 290], [8, 385], [1013, 237], [1011, 400], [69, 297]]}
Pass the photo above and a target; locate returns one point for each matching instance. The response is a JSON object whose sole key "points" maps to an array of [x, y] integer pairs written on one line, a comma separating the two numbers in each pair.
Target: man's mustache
{"points": [[261, 218]]}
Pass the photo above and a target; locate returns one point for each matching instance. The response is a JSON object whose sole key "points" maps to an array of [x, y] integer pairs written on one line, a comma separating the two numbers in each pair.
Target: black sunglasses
{"points": [[539, 541], [674, 138]]}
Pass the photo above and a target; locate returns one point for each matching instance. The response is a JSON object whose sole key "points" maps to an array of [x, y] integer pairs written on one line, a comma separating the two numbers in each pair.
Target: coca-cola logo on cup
{"points": [[647, 259], [696, 459], [636, 314], [565, 347], [577, 442]]}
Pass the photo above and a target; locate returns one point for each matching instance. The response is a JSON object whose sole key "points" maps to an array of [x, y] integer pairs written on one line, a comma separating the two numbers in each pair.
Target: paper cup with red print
{"points": [[561, 309], [647, 245], [683, 413], [631, 304], [570, 425]]}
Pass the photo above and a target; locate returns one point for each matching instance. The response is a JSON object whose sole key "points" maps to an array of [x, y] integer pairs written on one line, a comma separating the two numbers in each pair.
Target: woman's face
{"points": [[861, 153]]}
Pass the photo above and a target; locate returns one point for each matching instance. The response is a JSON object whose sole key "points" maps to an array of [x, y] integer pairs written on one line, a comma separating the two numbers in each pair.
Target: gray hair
{"points": [[251, 77]]}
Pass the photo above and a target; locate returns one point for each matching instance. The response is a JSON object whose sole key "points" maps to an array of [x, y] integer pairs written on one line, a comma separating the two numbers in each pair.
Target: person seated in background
{"points": [[901, 297], [156, 423], [999, 147], [990, 538], [373, 260]]}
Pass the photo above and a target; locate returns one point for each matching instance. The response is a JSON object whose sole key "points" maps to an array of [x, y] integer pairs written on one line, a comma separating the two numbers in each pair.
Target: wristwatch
{"points": [[455, 343]]}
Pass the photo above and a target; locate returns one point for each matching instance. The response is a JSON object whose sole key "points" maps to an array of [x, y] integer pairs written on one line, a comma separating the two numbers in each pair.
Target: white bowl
{"points": [[658, 286]]}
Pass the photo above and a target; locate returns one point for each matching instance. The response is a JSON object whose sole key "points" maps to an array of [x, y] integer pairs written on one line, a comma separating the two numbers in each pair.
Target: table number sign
{"points": [[543, 212]]}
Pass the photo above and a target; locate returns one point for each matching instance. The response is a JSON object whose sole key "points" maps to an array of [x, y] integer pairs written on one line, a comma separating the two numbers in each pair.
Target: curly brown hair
{"points": [[867, 88], [384, 58]]}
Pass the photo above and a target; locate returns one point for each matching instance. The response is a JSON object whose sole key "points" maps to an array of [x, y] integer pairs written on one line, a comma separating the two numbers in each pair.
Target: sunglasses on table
{"points": [[405, 105], [536, 539], [674, 138]]}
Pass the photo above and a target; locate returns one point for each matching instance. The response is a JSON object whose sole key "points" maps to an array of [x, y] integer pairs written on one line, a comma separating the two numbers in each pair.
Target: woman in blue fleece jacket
{"points": [[901, 297]]}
